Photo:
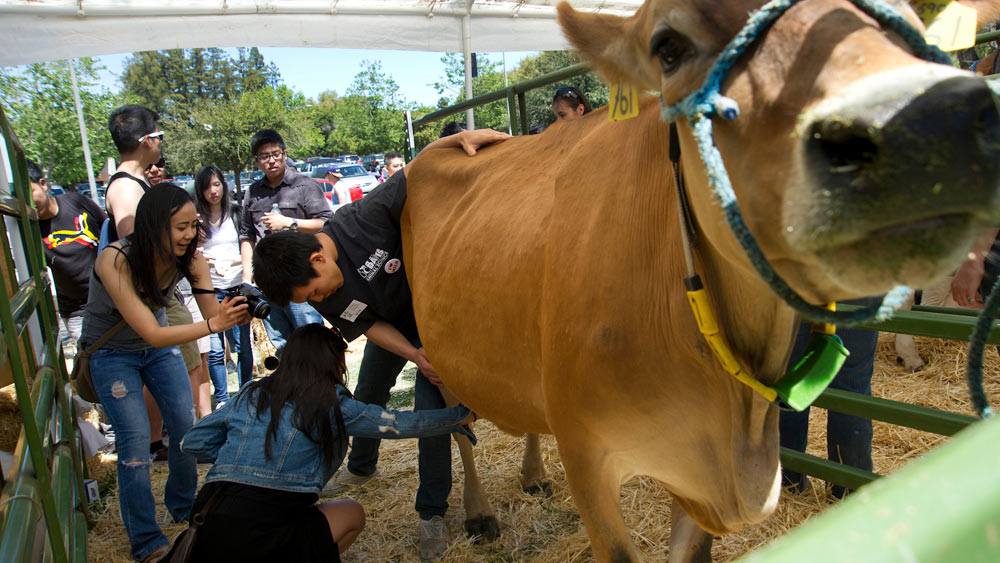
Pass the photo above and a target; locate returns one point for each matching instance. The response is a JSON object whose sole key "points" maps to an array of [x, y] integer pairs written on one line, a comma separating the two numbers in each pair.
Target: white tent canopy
{"points": [[42, 30]]}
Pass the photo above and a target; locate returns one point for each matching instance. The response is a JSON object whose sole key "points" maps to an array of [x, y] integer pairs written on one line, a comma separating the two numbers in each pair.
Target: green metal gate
{"points": [[43, 506]]}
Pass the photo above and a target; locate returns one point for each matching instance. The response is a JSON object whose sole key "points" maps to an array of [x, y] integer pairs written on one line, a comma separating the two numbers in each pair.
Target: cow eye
{"points": [[671, 48]]}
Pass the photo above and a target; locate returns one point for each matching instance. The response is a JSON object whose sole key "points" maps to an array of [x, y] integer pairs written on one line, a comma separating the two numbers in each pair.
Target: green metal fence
{"points": [[43, 506]]}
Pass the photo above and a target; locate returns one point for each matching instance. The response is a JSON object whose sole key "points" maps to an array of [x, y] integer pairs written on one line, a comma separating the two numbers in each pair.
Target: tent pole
{"points": [[83, 132], [470, 119]]}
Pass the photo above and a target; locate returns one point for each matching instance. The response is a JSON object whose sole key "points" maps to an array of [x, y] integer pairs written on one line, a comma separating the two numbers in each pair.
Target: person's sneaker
{"points": [[161, 454], [434, 539], [344, 479], [230, 366]]}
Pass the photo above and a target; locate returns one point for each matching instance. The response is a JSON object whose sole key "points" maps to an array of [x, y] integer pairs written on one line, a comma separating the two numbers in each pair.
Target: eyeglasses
{"points": [[162, 163], [264, 157], [151, 135], [565, 92]]}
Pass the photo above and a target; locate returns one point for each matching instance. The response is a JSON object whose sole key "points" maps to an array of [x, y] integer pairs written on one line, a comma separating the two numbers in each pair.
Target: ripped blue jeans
{"points": [[118, 378]]}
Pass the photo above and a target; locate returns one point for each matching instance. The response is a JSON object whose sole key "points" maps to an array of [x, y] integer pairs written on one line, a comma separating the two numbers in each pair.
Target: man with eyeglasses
{"points": [[140, 144], [282, 200]]}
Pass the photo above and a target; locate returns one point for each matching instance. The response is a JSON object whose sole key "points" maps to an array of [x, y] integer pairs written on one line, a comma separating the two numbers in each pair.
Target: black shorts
{"points": [[249, 523]]}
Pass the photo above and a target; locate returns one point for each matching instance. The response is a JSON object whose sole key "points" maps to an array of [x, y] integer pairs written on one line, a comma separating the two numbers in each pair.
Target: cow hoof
{"points": [[541, 488], [483, 528], [910, 366]]}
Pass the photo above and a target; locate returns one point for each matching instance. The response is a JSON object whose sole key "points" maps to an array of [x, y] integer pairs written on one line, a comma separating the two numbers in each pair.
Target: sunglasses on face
{"points": [[151, 135], [564, 92], [162, 163]]}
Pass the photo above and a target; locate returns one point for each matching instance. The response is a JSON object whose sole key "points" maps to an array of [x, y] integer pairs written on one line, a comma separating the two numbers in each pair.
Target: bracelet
{"points": [[210, 331]]}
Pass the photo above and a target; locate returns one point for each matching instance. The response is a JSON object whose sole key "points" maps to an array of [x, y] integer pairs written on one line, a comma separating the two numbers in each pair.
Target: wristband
{"points": [[210, 331]]}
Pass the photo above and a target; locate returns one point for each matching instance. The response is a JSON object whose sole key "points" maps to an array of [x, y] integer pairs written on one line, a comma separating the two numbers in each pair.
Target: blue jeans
{"points": [[848, 438], [118, 378], [217, 358], [284, 320], [378, 373]]}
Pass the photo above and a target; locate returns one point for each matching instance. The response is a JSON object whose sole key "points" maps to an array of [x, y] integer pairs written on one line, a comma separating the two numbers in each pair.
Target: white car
{"points": [[355, 175]]}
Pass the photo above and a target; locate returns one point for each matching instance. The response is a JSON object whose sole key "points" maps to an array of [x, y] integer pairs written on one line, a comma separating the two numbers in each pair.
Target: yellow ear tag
{"points": [[950, 25], [624, 103]]}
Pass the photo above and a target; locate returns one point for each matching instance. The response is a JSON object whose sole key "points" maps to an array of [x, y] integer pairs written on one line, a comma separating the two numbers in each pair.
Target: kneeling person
{"points": [[352, 272]]}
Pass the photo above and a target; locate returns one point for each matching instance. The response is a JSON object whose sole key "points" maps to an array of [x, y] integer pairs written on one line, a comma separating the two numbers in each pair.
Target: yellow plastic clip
{"points": [[826, 328], [709, 328]]}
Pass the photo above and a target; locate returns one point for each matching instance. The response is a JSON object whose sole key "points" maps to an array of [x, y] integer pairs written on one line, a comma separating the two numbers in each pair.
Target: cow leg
{"points": [[533, 479], [688, 542], [906, 349], [480, 520], [595, 484]]}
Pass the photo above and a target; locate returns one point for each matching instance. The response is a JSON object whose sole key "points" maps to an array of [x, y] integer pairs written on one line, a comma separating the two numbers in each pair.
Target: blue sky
{"points": [[311, 70]]}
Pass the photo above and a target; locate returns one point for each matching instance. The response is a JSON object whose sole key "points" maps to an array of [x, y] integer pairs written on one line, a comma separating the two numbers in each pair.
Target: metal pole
{"points": [[510, 98], [83, 132], [470, 119], [409, 135]]}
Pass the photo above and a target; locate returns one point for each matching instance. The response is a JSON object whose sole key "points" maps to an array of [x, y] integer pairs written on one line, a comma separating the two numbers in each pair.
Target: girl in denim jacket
{"points": [[275, 445]]}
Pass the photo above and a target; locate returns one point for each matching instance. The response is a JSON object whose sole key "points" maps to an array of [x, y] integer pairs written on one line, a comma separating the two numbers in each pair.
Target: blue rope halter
{"points": [[705, 103]]}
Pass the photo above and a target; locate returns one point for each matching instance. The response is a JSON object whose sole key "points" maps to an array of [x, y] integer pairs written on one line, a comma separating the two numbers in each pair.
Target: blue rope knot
{"points": [[701, 105]]}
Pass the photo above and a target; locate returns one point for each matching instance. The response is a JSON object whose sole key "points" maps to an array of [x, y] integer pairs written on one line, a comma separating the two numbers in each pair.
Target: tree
{"points": [[43, 115], [539, 101], [370, 118], [494, 114], [173, 82], [220, 132]]}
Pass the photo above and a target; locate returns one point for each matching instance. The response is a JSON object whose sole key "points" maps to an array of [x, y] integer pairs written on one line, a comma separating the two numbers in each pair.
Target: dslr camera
{"points": [[256, 304]]}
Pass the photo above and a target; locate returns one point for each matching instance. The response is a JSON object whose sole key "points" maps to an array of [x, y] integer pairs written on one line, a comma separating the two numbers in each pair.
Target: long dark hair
{"points": [[146, 242], [312, 365], [202, 180]]}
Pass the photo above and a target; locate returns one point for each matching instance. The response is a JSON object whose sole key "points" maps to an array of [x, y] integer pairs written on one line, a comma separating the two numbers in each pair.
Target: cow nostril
{"points": [[845, 151]]}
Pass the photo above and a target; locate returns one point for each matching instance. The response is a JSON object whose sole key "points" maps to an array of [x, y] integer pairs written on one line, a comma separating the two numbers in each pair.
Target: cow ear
{"points": [[988, 11], [612, 45]]}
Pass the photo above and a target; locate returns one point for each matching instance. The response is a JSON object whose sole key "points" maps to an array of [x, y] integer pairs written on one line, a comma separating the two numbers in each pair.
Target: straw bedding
{"points": [[547, 530]]}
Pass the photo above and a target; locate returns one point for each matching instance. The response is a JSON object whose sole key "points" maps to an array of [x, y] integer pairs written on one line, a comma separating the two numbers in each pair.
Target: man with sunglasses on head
{"points": [[140, 144], [282, 200]]}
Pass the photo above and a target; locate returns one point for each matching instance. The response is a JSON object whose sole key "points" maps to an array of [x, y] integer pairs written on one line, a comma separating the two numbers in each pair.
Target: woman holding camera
{"points": [[132, 281], [221, 247]]}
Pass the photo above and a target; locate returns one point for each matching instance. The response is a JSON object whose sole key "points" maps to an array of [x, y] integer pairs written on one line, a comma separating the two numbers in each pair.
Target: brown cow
{"points": [[547, 271]]}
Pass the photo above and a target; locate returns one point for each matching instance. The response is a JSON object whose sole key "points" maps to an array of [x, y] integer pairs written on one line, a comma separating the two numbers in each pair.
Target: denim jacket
{"points": [[233, 438]]}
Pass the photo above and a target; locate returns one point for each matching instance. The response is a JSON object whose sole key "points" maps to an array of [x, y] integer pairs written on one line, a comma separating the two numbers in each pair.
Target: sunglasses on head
{"points": [[162, 163], [151, 135], [564, 92]]}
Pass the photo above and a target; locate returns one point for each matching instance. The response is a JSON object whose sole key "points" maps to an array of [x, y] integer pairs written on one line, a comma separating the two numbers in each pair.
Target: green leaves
{"points": [[39, 98]]}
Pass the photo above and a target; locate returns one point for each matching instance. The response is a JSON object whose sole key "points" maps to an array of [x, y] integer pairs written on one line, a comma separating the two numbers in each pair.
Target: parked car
{"points": [[350, 158], [371, 161], [355, 176], [56, 189]]}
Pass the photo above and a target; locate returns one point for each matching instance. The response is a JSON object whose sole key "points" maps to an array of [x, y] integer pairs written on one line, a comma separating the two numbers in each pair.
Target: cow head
{"points": [[857, 165]]}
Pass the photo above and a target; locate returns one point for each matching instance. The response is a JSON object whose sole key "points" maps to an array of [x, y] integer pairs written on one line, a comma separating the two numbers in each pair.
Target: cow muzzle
{"points": [[895, 175]]}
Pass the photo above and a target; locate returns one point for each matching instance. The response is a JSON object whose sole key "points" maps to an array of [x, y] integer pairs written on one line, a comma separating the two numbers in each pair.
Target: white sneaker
{"points": [[344, 479], [434, 539]]}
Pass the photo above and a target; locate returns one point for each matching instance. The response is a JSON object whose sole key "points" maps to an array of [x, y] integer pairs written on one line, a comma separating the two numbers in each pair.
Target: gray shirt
{"points": [[297, 196], [101, 315]]}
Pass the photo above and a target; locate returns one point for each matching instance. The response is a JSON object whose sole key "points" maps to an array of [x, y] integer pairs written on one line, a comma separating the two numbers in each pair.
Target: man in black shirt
{"points": [[352, 272], [282, 199], [70, 224]]}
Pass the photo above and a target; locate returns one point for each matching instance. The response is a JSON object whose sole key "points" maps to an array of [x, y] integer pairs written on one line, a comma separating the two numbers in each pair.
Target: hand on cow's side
{"points": [[472, 140], [426, 368]]}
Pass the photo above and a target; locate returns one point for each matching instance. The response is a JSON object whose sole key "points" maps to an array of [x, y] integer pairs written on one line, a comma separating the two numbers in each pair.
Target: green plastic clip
{"points": [[824, 355]]}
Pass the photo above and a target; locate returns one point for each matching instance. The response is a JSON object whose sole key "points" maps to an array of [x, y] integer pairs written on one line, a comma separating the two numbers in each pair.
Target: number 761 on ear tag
{"points": [[624, 102]]}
